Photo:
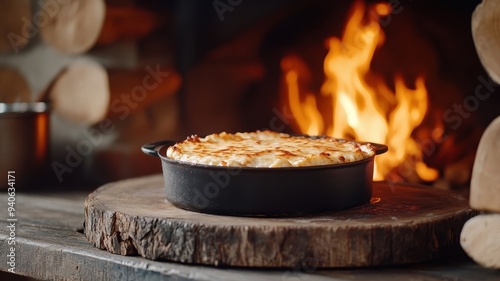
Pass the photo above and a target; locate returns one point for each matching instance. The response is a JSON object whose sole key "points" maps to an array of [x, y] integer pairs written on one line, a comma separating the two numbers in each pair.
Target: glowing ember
{"points": [[360, 109]]}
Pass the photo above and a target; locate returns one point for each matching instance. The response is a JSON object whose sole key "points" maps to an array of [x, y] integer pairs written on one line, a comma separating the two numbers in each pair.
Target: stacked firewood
{"points": [[480, 237], [84, 89], [106, 69]]}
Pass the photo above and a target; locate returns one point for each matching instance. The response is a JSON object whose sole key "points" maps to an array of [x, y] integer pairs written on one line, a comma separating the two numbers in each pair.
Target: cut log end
{"points": [[486, 35], [127, 23], [81, 92], [480, 238], [485, 182], [13, 86], [13, 38], [75, 28], [139, 89]]}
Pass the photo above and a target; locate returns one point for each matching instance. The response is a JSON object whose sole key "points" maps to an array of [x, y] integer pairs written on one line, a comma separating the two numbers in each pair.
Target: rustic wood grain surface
{"points": [[50, 246], [402, 224]]}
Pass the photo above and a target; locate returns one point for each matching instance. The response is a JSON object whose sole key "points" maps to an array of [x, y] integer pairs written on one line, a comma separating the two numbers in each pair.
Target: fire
{"points": [[360, 108]]}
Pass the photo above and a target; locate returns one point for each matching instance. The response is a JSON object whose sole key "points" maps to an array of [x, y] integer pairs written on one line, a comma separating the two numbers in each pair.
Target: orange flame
{"points": [[361, 110]]}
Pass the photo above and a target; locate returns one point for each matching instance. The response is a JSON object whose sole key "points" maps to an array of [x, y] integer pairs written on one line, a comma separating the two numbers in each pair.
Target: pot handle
{"points": [[379, 148], [151, 149]]}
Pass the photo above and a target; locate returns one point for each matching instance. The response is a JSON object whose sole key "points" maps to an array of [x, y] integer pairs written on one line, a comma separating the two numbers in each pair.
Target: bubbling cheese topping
{"points": [[267, 149]]}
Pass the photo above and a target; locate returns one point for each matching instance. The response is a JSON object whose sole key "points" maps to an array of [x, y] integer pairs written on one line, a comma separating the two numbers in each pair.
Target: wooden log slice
{"points": [[127, 23], [73, 27], [485, 25], [16, 28], [13, 86], [86, 92], [401, 224], [80, 92], [485, 182], [134, 90], [480, 238]]}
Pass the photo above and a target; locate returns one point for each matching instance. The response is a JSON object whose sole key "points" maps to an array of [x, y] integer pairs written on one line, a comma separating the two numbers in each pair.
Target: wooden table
{"points": [[50, 246]]}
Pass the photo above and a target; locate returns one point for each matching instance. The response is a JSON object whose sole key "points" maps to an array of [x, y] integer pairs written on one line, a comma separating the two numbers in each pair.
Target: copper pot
{"points": [[24, 141]]}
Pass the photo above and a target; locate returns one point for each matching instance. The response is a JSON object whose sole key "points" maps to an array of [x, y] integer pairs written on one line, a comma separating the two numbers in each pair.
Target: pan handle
{"points": [[379, 148], [151, 149]]}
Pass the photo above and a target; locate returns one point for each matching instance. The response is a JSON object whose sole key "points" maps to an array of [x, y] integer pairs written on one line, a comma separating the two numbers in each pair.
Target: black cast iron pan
{"points": [[250, 191]]}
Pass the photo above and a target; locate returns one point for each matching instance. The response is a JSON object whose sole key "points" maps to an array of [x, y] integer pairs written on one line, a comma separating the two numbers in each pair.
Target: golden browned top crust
{"points": [[267, 149]]}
